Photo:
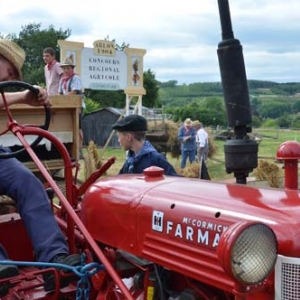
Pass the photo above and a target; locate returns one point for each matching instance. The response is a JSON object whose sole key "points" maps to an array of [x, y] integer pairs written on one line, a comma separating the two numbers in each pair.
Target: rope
{"points": [[82, 271], [83, 289]]}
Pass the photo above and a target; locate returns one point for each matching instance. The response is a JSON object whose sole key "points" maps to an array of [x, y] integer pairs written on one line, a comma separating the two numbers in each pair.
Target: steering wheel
{"points": [[45, 126]]}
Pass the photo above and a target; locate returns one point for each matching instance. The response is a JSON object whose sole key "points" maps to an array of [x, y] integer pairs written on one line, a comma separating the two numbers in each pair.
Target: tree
{"points": [[256, 121], [151, 98], [255, 105], [296, 106], [34, 40], [274, 109], [117, 46], [296, 122], [106, 98], [170, 83], [270, 123], [214, 103], [284, 121]]}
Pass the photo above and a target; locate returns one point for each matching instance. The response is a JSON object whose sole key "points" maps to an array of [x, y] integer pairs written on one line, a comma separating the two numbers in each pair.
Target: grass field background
{"points": [[270, 140]]}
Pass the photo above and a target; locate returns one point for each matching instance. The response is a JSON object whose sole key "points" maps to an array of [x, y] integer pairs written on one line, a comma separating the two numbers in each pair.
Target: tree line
{"points": [[272, 103]]}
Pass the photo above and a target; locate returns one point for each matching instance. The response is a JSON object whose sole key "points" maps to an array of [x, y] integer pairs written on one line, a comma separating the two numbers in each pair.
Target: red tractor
{"points": [[150, 236]]}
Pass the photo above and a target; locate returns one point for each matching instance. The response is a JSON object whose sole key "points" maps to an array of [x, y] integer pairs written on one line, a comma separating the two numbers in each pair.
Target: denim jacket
{"points": [[190, 144], [148, 156]]}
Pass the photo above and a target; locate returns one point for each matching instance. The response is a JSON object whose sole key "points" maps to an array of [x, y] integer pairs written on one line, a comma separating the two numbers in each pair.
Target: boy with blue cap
{"points": [[141, 154]]}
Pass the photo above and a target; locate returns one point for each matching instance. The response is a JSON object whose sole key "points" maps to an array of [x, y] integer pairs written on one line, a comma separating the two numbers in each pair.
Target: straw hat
{"points": [[67, 62], [15, 54], [188, 122], [196, 123]]}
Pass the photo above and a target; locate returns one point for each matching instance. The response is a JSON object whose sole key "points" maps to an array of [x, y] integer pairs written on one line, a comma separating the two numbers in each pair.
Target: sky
{"points": [[181, 37]]}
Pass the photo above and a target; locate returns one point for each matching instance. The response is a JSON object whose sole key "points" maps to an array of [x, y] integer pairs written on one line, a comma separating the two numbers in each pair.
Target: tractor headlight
{"points": [[248, 252]]}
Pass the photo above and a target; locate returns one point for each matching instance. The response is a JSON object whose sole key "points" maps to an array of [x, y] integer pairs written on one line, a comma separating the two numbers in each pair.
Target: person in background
{"points": [[196, 125], [187, 137], [70, 84], [52, 71], [141, 154], [20, 184], [202, 139]]}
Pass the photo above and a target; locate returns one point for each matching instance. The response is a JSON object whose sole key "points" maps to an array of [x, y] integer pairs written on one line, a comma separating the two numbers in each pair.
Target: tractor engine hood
{"points": [[178, 222]]}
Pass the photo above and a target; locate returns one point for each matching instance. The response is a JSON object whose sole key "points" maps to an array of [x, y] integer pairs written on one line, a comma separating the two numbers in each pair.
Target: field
{"points": [[268, 145], [271, 139]]}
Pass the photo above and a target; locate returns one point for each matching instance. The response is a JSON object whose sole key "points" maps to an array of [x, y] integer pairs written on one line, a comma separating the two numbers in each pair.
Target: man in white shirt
{"points": [[52, 70], [202, 140]]}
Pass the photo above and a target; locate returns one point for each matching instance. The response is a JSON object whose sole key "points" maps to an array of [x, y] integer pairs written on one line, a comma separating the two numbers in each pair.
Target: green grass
{"points": [[120, 155], [271, 140], [267, 149]]}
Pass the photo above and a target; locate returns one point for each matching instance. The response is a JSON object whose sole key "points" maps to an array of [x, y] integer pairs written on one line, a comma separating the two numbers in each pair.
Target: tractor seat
{"points": [[8, 205], [5, 200]]}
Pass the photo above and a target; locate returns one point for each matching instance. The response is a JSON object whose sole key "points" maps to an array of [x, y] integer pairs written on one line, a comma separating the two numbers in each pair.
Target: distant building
{"points": [[96, 126]]}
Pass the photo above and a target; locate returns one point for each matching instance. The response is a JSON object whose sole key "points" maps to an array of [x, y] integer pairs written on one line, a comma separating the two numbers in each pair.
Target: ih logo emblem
{"points": [[157, 220]]}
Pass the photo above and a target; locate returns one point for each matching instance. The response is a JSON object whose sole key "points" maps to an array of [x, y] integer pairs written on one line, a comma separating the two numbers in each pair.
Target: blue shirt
{"points": [[189, 144], [147, 156]]}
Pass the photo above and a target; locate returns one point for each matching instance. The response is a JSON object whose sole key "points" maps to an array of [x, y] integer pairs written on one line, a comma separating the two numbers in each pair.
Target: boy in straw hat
{"points": [[70, 84], [19, 183]]}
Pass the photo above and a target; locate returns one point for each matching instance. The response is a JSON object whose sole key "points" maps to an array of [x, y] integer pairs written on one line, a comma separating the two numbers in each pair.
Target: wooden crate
{"points": [[64, 123]]}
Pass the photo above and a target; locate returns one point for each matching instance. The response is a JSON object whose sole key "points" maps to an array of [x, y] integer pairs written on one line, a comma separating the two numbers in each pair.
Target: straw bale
{"points": [[163, 134], [92, 161], [190, 171], [269, 172], [212, 147]]}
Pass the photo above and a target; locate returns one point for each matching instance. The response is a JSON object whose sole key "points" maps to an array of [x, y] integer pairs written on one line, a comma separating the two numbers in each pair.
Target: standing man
{"points": [[52, 71], [20, 184], [196, 125], [202, 151], [202, 138], [70, 84], [141, 154], [187, 137]]}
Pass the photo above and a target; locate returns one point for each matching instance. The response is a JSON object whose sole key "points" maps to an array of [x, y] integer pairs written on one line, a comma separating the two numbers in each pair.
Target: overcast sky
{"points": [[180, 37]]}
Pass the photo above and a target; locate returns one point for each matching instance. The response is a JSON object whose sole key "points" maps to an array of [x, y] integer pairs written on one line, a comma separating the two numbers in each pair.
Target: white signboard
{"points": [[103, 72]]}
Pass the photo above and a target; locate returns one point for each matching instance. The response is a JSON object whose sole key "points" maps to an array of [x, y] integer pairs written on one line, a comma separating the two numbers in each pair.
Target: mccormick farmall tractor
{"points": [[150, 236]]}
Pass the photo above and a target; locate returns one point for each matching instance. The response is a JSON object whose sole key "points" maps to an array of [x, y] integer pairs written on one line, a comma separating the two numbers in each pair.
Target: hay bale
{"points": [[212, 147], [269, 172], [92, 161], [163, 135], [190, 171]]}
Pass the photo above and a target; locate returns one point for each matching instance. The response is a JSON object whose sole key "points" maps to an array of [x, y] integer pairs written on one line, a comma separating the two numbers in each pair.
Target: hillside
{"points": [[172, 95]]}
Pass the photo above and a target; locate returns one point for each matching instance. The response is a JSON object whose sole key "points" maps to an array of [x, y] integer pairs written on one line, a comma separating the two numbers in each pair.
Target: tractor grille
{"points": [[287, 278]]}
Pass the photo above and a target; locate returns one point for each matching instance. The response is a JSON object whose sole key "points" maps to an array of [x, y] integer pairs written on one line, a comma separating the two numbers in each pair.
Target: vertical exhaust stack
{"points": [[240, 151]]}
